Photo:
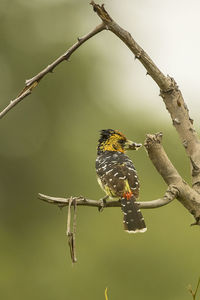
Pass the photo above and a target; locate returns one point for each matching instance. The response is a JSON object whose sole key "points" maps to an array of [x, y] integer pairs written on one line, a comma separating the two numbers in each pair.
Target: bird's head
{"points": [[114, 140]]}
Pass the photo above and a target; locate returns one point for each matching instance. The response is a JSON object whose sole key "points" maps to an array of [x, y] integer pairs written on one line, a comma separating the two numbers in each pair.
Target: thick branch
{"points": [[170, 93], [181, 120], [170, 195], [160, 159], [186, 195], [30, 84]]}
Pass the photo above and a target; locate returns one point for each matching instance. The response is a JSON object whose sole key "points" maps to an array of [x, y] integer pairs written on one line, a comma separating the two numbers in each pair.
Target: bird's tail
{"points": [[133, 219]]}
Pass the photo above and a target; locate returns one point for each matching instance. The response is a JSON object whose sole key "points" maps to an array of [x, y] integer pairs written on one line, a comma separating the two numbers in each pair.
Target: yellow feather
{"points": [[112, 144]]}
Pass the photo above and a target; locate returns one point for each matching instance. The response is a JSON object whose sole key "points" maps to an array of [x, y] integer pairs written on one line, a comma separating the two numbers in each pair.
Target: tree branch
{"points": [[15, 102], [160, 159], [163, 82], [177, 187], [71, 233], [194, 293], [30, 84], [170, 93], [172, 97], [186, 195], [170, 195]]}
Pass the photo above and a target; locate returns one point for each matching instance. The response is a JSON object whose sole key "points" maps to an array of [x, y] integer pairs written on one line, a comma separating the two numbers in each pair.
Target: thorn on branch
{"points": [[51, 70], [191, 121], [185, 106], [185, 143], [138, 56], [191, 129], [176, 121]]}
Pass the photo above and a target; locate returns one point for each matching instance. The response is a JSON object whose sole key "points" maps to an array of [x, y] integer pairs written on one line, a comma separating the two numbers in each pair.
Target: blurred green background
{"points": [[48, 145]]}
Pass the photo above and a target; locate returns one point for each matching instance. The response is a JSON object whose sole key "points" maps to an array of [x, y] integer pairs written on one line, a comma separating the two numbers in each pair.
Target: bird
{"points": [[118, 177]]}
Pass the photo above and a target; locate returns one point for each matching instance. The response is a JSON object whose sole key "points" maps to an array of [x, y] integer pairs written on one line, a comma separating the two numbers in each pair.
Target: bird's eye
{"points": [[121, 142]]}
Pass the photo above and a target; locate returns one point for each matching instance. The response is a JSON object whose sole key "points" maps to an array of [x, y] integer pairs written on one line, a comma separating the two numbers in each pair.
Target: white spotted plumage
{"points": [[118, 178]]}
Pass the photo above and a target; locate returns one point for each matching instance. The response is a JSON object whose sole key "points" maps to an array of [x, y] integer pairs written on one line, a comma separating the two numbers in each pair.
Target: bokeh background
{"points": [[48, 145]]}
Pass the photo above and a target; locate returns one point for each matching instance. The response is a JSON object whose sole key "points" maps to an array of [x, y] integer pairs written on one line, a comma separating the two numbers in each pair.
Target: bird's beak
{"points": [[129, 145]]}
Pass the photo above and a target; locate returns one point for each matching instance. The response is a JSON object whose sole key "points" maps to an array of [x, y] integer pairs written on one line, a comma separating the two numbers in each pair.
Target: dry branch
{"points": [[170, 195], [30, 84], [15, 102], [186, 195], [194, 293], [163, 82], [169, 91], [177, 187], [174, 102], [71, 233]]}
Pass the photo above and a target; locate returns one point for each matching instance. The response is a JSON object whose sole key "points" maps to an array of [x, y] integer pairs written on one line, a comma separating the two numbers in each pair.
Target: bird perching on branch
{"points": [[117, 176]]}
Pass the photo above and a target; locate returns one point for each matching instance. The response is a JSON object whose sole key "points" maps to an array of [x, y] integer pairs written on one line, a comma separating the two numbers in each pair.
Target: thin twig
{"points": [[170, 195], [69, 233], [74, 231], [30, 84], [66, 55], [194, 293], [69, 217], [15, 102]]}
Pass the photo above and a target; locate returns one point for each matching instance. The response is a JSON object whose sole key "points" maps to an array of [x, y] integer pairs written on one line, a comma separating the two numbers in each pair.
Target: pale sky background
{"points": [[169, 31]]}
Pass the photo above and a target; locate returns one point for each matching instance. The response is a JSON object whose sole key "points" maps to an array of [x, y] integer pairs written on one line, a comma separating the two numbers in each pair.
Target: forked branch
{"points": [[194, 293], [169, 91], [189, 197], [172, 97]]}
